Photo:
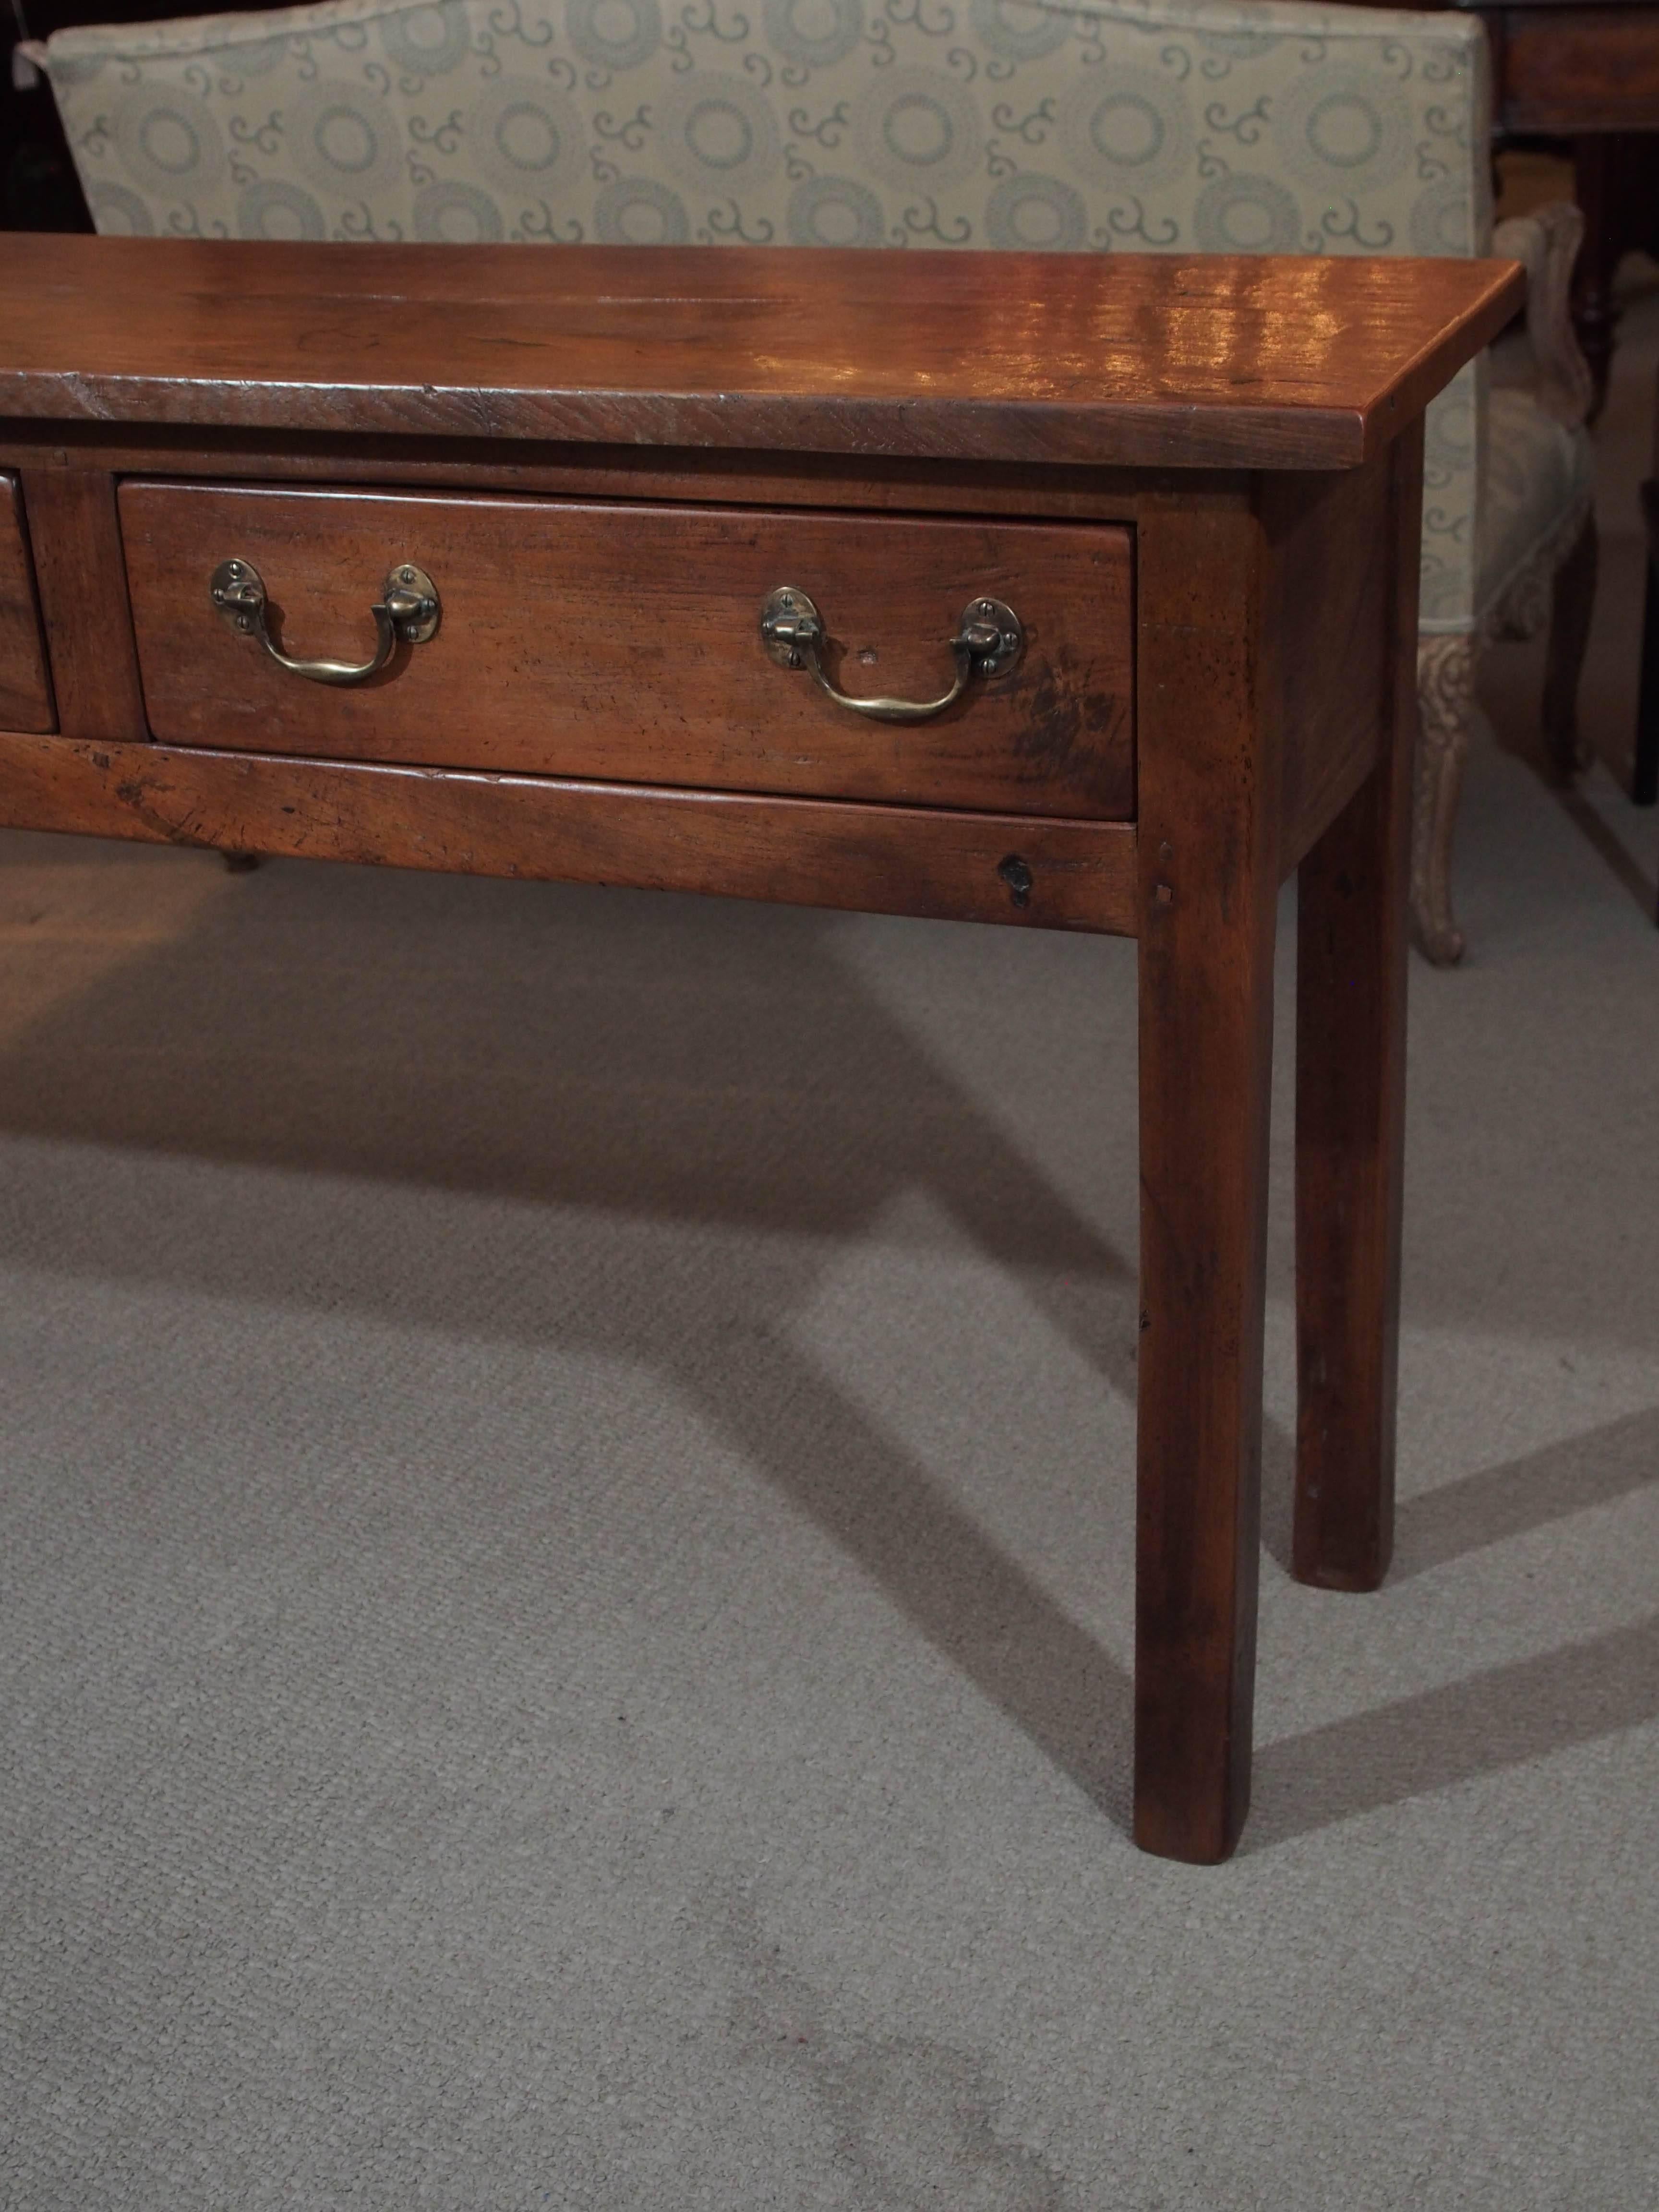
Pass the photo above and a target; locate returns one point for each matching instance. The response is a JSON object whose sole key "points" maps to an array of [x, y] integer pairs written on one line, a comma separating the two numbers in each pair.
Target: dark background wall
{"points": [[39, 189]]}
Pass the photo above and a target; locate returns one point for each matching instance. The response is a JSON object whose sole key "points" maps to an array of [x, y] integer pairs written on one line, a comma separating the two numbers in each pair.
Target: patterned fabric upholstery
{"points": [[1123, 127], [1537, 471]]}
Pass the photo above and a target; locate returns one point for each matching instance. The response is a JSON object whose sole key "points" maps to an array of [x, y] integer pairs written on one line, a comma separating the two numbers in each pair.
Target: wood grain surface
{"points": [[25, 693], [1575, 70], [1208, 856], [717, 476], [1351, 1114], [623, 643], [81, 573], [1256, 360], [1329, 642], [874, 860]]}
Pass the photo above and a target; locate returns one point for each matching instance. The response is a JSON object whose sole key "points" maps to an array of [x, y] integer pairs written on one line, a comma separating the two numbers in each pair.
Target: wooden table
{"points": [[1588, 71], [1151, 524]]}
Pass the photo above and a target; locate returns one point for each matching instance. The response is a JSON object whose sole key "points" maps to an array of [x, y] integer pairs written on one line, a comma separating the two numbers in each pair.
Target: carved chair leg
{"points": [[1573, 598], [1445, 698]]}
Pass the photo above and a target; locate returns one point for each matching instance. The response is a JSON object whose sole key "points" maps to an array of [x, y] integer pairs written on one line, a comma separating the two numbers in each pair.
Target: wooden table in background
{"points": [[1196, 482], [1588, 71]]}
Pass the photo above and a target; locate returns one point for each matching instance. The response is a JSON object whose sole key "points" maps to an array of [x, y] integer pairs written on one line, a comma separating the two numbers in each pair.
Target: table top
{"points": [[1135, 359], [1553, 6]]}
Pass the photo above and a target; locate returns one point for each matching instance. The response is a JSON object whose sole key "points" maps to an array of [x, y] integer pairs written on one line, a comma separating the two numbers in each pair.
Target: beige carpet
{"points": [[566, 1499]]}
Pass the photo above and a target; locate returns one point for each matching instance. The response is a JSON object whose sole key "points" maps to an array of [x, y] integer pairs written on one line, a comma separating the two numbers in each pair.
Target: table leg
{"points": [[1207, 836], [1350, 1128], [1351, 932], [1595, 161], [1645, 784]]}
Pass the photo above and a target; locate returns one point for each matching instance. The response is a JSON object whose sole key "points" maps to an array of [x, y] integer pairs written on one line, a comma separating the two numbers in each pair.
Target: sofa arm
{"points": [[1547, 242]]}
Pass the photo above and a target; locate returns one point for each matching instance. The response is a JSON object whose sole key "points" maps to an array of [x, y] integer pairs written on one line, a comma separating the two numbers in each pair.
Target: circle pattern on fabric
{"points": [[814, 32], [1018, 30], [1239, 45], [77, 69], [1450, 434], [1246, 215], [639, 211], [1128, 127], [720, 133], [169, 141], [1443, 218], [455, 214], [1037, 215], [118, 213], [254, 58], [919, 129], [527, 138], [426, 41], [614, 34], [346, 138], [277, 209], [1342, 131], [834, 211]]}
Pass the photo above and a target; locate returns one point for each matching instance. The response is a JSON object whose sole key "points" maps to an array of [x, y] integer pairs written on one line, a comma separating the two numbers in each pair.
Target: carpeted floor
{"points": [[567, 1514]]}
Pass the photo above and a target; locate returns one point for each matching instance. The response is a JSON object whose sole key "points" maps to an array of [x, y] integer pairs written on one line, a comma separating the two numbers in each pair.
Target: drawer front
{"points": [[622, 643], [24, 692]]}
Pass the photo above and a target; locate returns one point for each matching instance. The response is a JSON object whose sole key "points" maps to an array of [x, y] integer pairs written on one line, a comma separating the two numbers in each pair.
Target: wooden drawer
{"points": [[24, 692], [622, 643]]}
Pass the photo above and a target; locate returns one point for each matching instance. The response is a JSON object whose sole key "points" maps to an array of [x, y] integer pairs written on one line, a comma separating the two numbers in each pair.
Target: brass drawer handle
{"points": [[407, 610], [988, 640]]}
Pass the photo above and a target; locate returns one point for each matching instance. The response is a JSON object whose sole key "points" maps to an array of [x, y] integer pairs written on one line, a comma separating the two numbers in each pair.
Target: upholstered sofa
{"points": [[1125, 128]]}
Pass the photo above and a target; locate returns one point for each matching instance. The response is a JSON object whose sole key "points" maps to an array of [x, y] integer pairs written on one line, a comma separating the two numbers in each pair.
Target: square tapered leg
{"points": [[1350, 1127], [1208, 856]]}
